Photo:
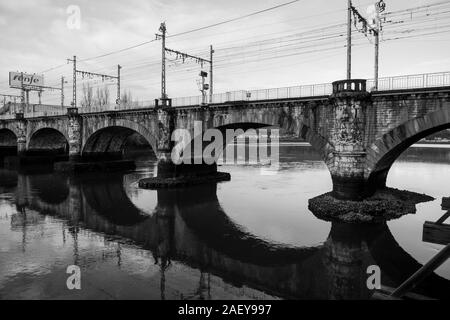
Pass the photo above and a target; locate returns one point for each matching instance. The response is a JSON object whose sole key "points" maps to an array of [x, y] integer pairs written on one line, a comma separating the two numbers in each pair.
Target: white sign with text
{"points": [[29, 80]]}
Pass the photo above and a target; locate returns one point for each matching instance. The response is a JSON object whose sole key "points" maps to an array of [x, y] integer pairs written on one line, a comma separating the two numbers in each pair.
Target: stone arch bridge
{"points": [[358, 134]]}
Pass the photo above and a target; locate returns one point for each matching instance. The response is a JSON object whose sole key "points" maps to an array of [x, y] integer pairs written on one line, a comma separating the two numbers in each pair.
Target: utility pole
{"points": [[211, 90], [371, 25], [181, 55], [41, 89], [163, 74], [62, 92], [349, 40], [377, 48], [74, 88], [204, 86], [22, 92], [162, 36], [74, 81], [91, 75], [118, 83], [380, 7], [25, 95]]}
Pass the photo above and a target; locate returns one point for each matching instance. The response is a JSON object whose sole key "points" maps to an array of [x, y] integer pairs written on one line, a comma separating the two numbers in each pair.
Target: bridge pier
{"points": [[350, 102], [166, 126], [21, 135], [348, 176], [171, 174], [79, 162], [74, 130], [22, 157], [166, 168]]}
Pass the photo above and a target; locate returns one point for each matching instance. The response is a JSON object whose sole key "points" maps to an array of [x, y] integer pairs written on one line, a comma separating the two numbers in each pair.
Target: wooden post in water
{"points": [[422, 273]]}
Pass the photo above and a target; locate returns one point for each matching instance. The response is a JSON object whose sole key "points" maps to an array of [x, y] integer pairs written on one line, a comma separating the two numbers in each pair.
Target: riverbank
{"points": [[442, 141]]}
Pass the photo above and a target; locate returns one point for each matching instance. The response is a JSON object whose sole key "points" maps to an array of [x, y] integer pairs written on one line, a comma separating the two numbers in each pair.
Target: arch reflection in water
{"points": [[190, 227]]}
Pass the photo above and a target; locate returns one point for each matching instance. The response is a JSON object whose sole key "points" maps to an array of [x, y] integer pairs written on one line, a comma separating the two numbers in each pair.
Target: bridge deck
{"points": [[409, 84]]}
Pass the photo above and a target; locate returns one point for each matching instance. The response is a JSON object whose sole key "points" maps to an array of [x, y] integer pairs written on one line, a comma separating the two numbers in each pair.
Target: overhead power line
{"points": [[221, 23], [234, 19], [178, 34], [118, 51], [403, 24], [193, 30]]}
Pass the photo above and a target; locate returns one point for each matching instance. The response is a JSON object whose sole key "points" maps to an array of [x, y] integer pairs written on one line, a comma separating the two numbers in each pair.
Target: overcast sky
{"points": [[35, 37]]}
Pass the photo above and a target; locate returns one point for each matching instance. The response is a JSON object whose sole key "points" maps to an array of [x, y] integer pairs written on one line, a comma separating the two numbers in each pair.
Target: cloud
{"points": [[35, 37]]}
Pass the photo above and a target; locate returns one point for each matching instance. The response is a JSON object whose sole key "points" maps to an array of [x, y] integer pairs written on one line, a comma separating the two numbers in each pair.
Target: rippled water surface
{"points": [[250, 238]]}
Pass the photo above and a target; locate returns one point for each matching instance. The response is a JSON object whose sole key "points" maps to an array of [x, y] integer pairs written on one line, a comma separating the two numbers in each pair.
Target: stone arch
{"points": [[8, 138], [286, 117], [244, 126], [386, 149], [58, 126], [317, 142], [47, 140], [150, 136], [110, 140], [10, 126], [8, 142]]}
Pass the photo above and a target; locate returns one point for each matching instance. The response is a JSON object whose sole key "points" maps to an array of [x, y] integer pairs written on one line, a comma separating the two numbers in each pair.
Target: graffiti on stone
{"points": [[74, 136], [348, 124]]}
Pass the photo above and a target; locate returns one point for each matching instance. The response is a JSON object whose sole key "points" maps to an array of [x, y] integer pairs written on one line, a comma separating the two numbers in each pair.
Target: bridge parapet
{"points": [[351, 85], [350, 102], [71, 112]]}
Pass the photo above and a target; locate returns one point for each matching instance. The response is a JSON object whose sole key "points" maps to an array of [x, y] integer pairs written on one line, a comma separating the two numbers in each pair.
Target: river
{"points": [[250, 238]]}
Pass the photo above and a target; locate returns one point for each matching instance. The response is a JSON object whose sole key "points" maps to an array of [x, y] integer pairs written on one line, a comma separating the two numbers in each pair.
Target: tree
{"points": [[126, 98], [102, 96], [88, 95]]}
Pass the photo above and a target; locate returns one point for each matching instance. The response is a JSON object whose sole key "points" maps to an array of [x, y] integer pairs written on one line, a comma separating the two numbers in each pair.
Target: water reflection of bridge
{"points": [[196, 231]]}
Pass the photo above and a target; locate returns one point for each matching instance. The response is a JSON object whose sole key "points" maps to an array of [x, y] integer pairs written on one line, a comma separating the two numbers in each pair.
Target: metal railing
{"points": [[114, 107], [32, 111], [7, 116], [415, 81], [37, 110], [428, 80]]}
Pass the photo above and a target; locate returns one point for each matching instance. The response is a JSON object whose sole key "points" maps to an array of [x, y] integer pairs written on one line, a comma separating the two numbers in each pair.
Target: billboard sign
{"points": [[29, 80]]}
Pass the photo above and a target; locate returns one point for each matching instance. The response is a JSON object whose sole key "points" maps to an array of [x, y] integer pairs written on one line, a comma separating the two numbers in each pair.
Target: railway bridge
{"points": [[359, 134]]}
